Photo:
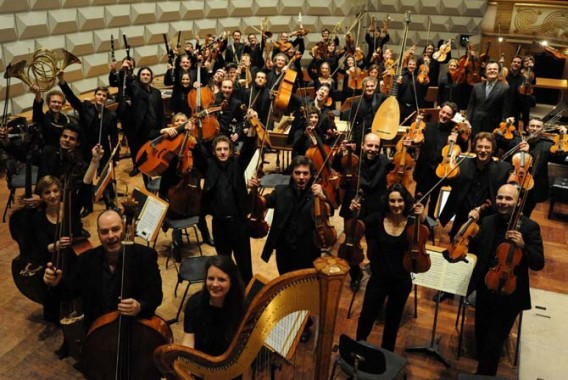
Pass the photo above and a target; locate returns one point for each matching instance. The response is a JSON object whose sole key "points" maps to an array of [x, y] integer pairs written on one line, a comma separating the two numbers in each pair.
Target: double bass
{"points": [[119, 346]]}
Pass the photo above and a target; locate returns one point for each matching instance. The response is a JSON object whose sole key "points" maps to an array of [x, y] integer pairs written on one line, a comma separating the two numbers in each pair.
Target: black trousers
{"points": [[494, 317], [231, 236], [379, 288]]}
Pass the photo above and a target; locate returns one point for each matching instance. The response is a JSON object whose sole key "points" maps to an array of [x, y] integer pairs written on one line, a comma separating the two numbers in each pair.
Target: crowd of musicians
{"points": [[228, 92]]}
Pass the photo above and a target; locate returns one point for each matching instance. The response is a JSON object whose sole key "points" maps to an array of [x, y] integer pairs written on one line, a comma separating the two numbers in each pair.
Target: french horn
{"points": [[43, 69]]}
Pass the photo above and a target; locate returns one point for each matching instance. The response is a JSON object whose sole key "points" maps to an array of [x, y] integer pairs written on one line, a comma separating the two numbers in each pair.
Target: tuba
{"points": [[43, 69]]}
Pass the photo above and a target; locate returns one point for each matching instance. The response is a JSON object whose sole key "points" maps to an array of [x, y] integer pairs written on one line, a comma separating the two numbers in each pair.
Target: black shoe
{"points": [[85, 212], [209, 241], [62, 352], [176, 253], [306, 335], [356, 282], [85, 233], [134, 172]]}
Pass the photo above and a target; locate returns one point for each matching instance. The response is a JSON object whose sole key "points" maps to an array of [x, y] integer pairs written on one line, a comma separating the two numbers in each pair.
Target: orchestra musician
{"points": [[213, 315], [181, 77], [314, 122], [53, 120], [495, 313], [451, 91], [234, 50], [363, 110], [490, 102], [225, 197], [518, 76], [94, 131], [479, 179], [539, 148], [255, 49], [232, 114], [387, 238], [260, 97], [410, 92], [436, 136], [96, 277], [375, 41], [372, 177]]}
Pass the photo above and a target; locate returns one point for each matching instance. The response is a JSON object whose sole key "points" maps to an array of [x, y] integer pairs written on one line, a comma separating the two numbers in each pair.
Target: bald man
{"points": [[496, 312]]}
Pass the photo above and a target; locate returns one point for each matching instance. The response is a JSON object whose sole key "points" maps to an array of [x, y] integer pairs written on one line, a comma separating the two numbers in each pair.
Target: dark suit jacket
{"points": [[485, 114], [87, 278], [498, 174], [491, 234]]}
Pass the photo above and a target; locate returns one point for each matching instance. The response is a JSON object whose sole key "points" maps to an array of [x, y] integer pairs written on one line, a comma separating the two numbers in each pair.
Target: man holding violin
{"points": [[495, 312], [521, 78]]}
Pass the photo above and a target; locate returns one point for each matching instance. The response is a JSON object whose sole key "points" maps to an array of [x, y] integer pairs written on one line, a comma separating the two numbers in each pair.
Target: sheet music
{"points": [[285, 332], [445, 276], [151, 216]]}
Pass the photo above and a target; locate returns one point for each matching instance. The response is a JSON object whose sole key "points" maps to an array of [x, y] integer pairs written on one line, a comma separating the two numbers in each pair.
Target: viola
{"points": [[388, 76], [416, 259], [449, 168], [522, 162], [472, 70], [403, 166], [459, 74], [119, 346], [351, 249], [349, 173], [560, 143], [506, 129], [416, 131], [324, 233], [526, 87], [442, 54], [458, 249], [356, 76]]}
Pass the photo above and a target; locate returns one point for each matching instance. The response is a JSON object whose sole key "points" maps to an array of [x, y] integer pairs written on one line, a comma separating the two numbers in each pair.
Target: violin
{"points": [[472, 69], [356, 76], [423, 71], [416, 259], [349, 174], [416, 131], [459, 74], [387, 76], [506, 129], [119, 346], [442, 54], [560, 143], [458, 249], [526, 87], [351, 249], [522, 162], [449, 168]]}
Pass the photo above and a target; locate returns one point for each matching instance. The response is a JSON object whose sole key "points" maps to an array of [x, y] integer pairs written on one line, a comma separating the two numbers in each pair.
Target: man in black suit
{"points": [[489, 103], [496, 312], [363, 110], [479, 179]]}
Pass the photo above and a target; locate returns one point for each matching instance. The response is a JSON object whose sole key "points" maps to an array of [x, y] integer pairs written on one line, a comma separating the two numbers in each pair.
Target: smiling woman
{"points": [[213, 315]]}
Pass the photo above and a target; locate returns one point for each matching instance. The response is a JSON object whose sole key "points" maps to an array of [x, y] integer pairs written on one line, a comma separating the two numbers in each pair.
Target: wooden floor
{"points": [[24, 356]]}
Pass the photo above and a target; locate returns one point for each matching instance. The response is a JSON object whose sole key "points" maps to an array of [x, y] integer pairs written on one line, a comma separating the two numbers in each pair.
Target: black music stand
{"points": [[433, 348]]}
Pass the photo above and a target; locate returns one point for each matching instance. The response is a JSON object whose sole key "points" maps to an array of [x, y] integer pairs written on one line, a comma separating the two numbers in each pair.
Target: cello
{"points": [[119, 346], [201, 98]]}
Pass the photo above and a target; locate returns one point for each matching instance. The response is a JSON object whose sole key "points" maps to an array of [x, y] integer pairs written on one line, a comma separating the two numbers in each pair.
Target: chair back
{"points": [[371, 359]]}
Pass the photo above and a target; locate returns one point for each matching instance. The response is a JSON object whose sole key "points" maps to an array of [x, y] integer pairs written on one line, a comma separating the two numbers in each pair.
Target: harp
{"points": [[316, 290]]}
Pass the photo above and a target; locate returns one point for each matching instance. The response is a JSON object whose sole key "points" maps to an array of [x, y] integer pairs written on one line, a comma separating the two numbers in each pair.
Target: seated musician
{"points": [[387, 238], [314, 122], [495, 312], [213, 315], [96, 277]]}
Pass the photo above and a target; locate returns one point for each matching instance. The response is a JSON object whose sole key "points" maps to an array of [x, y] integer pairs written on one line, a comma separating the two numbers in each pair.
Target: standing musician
{"points": [[521, 74], [259, 95], [255, 49], [96, 277], [479, 179], [386, 240], [450, 90], [375, 41], [490, 101], [182, 78], [225, 197], [410, 92], [235, 50], [363, 110], [232, 114], [314, 122], [95, 131], [372, 177], [213, 315], [52, 121], [436, 136], [147, 110], [495, 313], [539, 149]]}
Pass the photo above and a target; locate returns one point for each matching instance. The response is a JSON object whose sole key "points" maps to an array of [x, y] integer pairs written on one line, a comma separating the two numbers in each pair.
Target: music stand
{"points": [[447, 277]]}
